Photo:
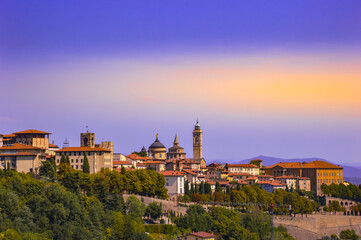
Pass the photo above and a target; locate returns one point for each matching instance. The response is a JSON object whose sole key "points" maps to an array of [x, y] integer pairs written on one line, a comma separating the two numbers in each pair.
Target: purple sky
{"points": [[275, 78]]}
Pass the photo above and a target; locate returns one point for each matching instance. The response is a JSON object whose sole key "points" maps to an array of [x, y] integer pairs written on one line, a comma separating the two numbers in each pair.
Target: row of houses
{"points": [[25, 150]]}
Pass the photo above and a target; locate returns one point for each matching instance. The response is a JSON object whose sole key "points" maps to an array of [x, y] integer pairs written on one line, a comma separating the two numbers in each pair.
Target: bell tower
{"points": [[87, 139], [197, 142]]}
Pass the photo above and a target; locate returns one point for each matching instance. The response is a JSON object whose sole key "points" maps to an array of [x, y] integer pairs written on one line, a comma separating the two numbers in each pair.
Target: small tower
{"points": [[87, 139], [66, 143], [197, 142], [176, 152]]}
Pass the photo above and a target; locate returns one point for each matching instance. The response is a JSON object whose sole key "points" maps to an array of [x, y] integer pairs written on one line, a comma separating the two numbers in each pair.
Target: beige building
{"points": [[244, 168], [157, 150], [318, 172], [158, 166], [23, 158], [98, 157], [176, 152], [290, 181]]}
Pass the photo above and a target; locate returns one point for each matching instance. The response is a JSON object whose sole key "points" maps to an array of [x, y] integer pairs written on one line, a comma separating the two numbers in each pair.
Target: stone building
{"points": [[98, 157], [318, 172], [23, 158], [176, 152], [157, 150], [197, 142]]}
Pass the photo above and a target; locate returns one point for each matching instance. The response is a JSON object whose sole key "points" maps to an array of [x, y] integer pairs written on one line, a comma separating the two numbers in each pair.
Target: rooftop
{"points": [[83, 149], [32, 131], [202, 234], [19, 146]]}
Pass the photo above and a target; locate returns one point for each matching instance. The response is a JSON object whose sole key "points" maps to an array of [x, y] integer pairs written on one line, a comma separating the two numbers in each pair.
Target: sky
{"points": [[274, 78]]}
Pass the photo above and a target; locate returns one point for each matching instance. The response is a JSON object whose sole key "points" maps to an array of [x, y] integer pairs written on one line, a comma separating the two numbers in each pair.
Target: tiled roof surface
{"points": [[202, 234], [121, 163], [137, 157], [313, 164], [242, 165], [19, 146], [172, 173], [32, 131], [83, 149], [53, 145], [320, 164]]}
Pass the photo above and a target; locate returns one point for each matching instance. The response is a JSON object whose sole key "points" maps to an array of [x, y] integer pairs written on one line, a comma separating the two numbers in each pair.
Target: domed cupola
{"points": [[157, 150]]}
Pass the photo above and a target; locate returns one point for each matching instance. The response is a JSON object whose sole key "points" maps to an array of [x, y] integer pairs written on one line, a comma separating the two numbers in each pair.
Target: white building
{"points": [[174, 182]]}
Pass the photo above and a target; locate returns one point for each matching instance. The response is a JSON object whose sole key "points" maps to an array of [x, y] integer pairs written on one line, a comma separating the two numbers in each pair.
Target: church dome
{"points": [[157, 144]]}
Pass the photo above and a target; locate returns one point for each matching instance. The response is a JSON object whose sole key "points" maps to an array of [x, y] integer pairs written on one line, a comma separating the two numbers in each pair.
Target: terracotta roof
{"points": [[320, 164], [202, 234], [313, 164], [286, 177], [9, 135], [239, 174], [53, 145], [273, 183], [172, 173], [154, 162], [83, 149], [242, 165], [32, 131], [141, 164], [190, 172], [121, 163], [17, 154], [252, 178], [303, 178], [137, 157], [19, 146], [264, 176], [286, 165]]}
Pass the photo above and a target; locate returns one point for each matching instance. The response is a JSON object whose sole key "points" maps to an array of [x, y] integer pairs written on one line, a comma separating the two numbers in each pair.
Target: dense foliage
{"points": [[230, 224], [303, 202], [78, 205], [350, 191]]}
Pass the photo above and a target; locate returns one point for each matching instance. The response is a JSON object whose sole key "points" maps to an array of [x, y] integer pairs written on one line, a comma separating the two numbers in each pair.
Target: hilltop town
{"points": [[25, 150], [285, 188]]}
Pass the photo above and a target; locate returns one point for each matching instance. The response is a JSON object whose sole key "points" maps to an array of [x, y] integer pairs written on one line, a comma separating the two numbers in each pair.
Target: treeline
{"points": [[350, 191], [230, 224], [71, 204], [282, 201]]}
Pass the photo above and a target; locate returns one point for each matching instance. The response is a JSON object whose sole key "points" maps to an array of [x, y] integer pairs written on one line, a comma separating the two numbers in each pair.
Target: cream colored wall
{"points": [[97, 161]]}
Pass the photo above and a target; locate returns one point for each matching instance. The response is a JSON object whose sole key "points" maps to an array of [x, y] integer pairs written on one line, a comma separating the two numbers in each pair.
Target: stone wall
{"points": [[317, 226]]}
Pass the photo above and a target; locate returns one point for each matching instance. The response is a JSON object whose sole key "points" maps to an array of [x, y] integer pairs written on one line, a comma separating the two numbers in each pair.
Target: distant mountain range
{"points": [[351, 173]]}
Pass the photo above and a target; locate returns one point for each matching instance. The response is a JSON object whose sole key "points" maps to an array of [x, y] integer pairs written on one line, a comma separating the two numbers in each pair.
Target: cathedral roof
{"points": [[157, 143]]}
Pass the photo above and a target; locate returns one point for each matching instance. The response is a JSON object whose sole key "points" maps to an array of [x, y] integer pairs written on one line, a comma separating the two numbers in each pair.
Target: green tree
{"points": [[86, 167], [134, 206], [153, 210], [47, 171], [218, 187]]}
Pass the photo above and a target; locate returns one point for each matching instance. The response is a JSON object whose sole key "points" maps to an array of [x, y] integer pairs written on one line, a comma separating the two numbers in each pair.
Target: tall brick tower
{"points": [[197, 142]]}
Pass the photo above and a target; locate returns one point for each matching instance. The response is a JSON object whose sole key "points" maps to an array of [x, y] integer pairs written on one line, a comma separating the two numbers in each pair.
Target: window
{"points": [[72, 166], [72, 160], [57, 161], [77, 166], [81, 166], [81, 160], [160, 155], [77, 160]]}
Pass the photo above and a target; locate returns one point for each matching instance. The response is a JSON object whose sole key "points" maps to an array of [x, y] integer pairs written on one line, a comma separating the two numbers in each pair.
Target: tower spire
{"points": [[176, 143]]}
